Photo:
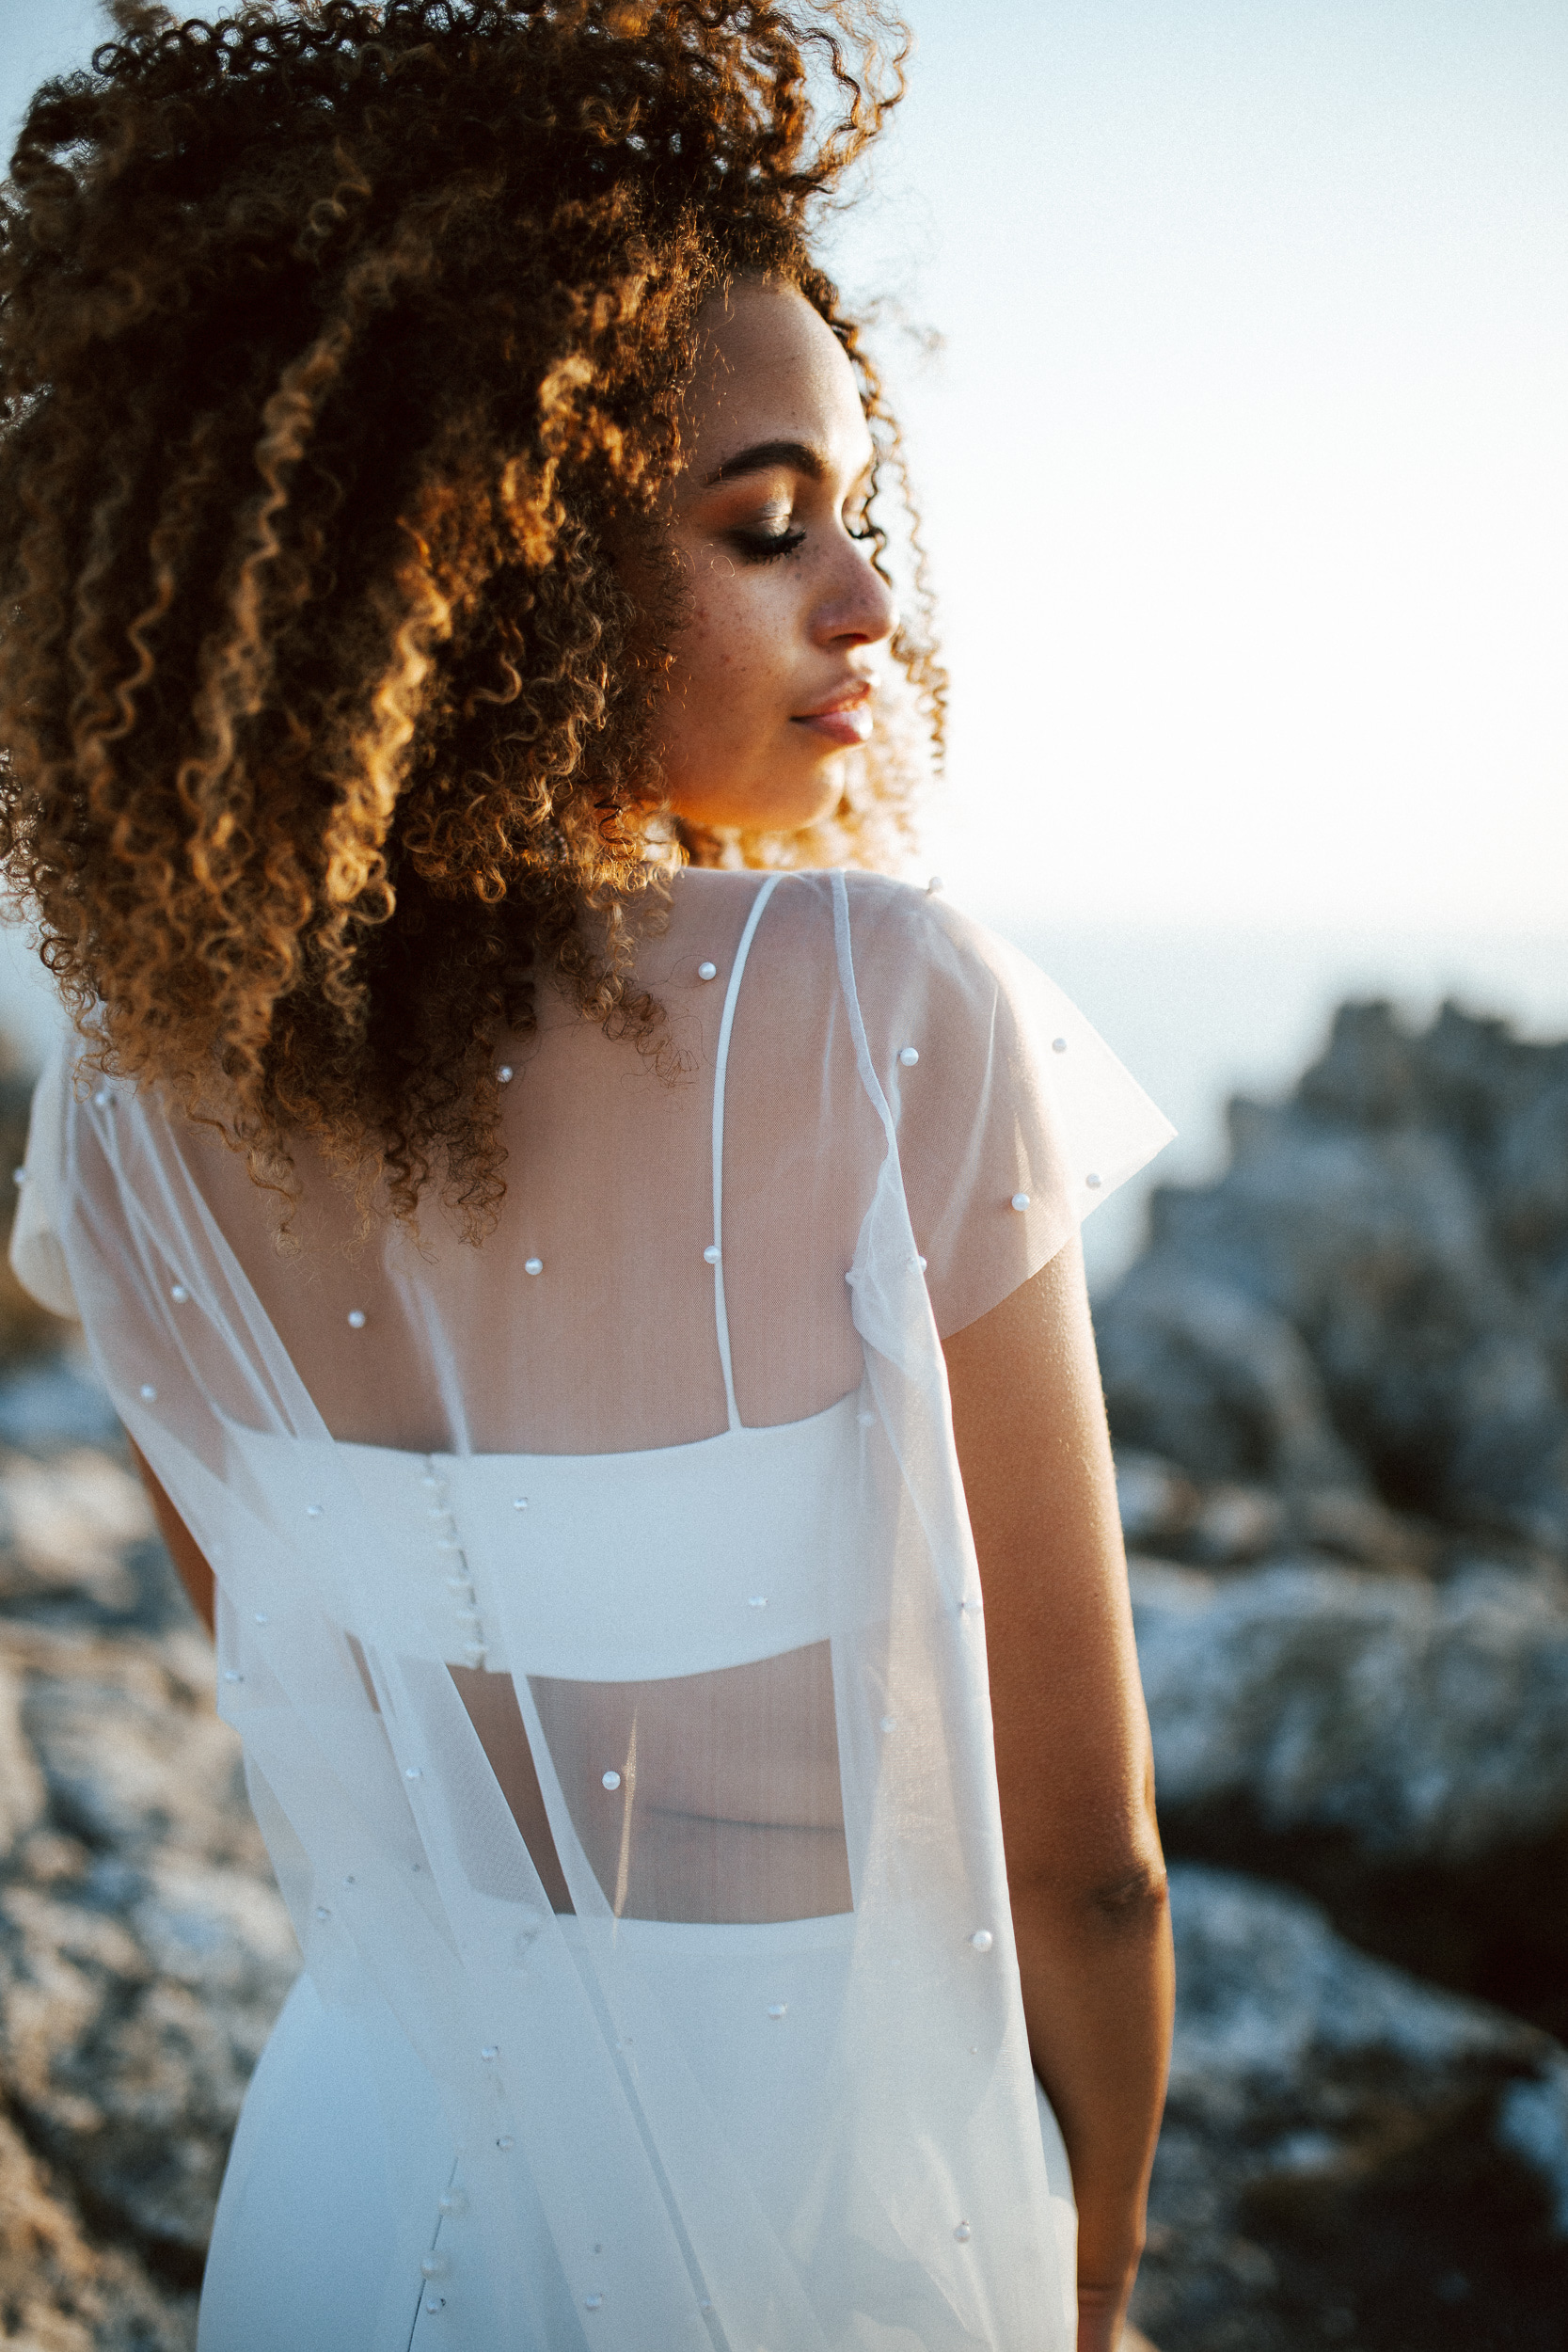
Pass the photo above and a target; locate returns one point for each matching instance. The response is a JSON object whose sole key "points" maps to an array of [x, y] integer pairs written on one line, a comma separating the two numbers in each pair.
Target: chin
{"points": [[792, 809]]}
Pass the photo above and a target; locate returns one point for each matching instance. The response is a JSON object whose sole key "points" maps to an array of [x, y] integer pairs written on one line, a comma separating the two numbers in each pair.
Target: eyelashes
{"points": [[765, 547]]}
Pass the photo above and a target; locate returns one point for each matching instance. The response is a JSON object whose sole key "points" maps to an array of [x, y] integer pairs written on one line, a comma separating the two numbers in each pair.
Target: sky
{"points": [[1245, 463], [1244, 459]]}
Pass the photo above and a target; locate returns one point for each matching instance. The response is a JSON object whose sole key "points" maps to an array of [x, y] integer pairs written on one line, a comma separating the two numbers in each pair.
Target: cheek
{"points": [[727, 636], [747, 617]]}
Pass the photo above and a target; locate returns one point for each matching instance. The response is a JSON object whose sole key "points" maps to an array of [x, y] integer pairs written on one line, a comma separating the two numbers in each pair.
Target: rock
{"points": [[1229, 1523], [1235, 1523], [1390, 1744], [1374, 1298], [1221, 1385], [1424, 1721], [1158, 1502], [54, 1403], [1355, 1526], [1348, 2155], [27, 1330], [66, 1527], [144, 1950], [22, 1789], [61, 2292]]}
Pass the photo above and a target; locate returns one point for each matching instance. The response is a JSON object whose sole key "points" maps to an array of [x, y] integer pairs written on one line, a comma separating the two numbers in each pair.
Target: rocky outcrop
{"points": [[1338, 1387], [1424, 1721], [143, 1949], [1373, 1301], [1348, 2157]]}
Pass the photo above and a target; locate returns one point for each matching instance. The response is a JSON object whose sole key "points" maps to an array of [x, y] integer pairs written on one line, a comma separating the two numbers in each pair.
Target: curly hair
{"points": [[340, 345]]}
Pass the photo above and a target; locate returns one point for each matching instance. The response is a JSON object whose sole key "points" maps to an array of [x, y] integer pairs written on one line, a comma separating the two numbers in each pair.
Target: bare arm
{"points": [[195, 1575], [1072, 1754]]}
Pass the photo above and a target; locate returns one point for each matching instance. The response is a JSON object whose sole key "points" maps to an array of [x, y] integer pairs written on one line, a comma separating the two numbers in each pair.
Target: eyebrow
{"points": [[763, 457]]}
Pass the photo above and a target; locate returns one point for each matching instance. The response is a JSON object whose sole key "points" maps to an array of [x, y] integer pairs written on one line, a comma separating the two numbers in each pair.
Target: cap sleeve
{"points": [[36, 1256], [1015, 1118]]}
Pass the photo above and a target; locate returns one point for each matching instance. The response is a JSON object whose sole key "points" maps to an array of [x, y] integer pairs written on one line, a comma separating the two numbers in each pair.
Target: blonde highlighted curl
{"points": [[341, 348]]}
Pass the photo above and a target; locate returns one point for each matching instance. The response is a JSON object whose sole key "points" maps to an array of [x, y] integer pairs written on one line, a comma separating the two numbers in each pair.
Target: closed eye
{"points": [[765, 547]]}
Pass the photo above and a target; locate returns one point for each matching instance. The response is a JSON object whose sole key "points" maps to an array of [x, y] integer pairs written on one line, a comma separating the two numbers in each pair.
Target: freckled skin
{"points": [[771, 635]]}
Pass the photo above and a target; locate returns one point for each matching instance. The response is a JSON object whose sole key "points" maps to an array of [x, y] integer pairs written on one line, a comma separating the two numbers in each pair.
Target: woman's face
{"points": [[775, 667]]}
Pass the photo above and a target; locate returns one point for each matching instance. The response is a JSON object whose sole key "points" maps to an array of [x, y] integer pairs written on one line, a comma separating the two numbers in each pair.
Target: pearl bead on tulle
{"points": [[534, 1266], [356, 1318], [610, 1780], [1021, 1200], [982, 1939], [908, 1056], [712, 1254], [708, 971], [963, 2234], [1058, 1045]]}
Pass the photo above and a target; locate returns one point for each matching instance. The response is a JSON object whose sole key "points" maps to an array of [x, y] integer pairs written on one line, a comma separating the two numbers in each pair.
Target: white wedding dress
{"points": [[599, 1611]]}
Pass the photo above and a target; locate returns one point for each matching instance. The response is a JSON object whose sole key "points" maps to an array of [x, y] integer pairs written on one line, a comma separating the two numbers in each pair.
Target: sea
{"points": [[1198, 1013]]}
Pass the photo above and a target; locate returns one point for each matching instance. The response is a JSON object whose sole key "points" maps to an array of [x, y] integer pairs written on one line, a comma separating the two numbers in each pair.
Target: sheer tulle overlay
{"points": [[599, 1614]]}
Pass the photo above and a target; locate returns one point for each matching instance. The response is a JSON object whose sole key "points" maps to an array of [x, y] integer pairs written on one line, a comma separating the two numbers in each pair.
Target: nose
{"points": [[859, 609]]}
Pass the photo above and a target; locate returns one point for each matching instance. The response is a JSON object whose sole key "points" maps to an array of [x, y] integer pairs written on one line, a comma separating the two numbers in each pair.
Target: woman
{"points": [[593, 1284]]}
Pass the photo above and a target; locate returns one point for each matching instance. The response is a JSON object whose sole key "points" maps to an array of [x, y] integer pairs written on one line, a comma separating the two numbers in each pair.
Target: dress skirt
{"points": [[332, 2198]]}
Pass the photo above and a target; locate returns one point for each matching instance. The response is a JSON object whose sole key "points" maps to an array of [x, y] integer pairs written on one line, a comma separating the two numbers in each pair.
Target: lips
{"points": [[843, 719]]}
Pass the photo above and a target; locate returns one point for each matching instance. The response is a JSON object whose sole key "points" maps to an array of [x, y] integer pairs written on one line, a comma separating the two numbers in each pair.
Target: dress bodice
{"points": [[599, 1613], [673, 1560]]}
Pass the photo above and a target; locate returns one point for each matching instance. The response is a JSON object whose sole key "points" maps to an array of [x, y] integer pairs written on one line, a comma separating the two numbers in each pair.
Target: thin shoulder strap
{"points": [[716, 1252], [864, 1062]]}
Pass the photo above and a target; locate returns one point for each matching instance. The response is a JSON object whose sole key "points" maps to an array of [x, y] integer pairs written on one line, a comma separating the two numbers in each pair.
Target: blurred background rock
{"points": [[1338, 1381], [1339, 1385], [143, 1949]]}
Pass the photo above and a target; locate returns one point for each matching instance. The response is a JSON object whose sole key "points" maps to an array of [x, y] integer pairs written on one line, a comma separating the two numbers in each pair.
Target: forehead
{"points": [[768, 369]]}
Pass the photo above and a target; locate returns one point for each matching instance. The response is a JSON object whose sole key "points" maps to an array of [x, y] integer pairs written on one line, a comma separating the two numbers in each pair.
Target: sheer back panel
{"points": [[634, 1744]]}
